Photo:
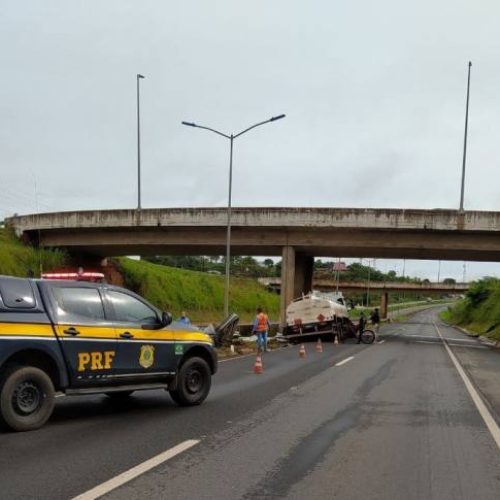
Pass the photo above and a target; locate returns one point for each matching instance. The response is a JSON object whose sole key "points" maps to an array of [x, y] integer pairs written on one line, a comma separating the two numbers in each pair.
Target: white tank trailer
{"points": [[316, 315]]}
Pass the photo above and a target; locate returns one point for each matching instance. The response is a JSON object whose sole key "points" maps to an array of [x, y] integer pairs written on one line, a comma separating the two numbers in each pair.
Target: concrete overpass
{"points": [[328, 285], [296, 234], [325, 232]]}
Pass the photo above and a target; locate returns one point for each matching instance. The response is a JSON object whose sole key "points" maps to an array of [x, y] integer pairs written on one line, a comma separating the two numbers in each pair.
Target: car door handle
{"points": [[126, 335], [71, 331]]}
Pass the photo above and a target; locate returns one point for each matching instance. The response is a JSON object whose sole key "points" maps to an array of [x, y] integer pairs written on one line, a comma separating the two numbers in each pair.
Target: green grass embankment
{"points": [[17, 259], [201, 295], [479, 312], [394, 309]]}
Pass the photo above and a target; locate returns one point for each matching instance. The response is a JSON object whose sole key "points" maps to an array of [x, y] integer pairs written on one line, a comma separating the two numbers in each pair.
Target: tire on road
{"points": [[193, 382], [368, 336], [26, 398]]}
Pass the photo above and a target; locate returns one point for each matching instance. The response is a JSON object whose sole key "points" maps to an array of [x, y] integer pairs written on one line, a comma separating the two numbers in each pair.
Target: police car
{"points": [[78, 337]]}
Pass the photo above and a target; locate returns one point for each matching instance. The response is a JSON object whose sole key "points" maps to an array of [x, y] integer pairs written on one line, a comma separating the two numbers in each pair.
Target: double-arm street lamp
{"points": [[228, 237]]}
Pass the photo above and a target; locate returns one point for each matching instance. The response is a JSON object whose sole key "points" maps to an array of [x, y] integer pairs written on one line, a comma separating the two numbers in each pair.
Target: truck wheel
{"points": [[193, 383], [26, 398]]}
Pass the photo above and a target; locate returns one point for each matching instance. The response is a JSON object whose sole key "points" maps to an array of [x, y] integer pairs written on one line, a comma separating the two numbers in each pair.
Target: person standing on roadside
{"points": [[184, 319], [260, 328], [375, 319], [361, 325]]}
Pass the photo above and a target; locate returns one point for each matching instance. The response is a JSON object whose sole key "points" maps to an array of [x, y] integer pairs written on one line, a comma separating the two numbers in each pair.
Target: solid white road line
{"points": [[481, 407], [344, 361], [136, 471], [380, 341], [237, 356], [225, 360]]}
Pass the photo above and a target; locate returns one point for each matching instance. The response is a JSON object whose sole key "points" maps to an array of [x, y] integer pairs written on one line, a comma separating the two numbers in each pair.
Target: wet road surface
{"points": [[390, 420]]}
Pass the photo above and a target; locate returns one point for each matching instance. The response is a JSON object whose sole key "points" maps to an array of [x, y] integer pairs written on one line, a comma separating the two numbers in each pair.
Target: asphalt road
{"points": [[395, 421]]}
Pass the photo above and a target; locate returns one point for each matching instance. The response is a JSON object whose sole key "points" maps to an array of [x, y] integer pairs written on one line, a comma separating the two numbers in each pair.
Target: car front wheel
{"points": [[193, 382]]}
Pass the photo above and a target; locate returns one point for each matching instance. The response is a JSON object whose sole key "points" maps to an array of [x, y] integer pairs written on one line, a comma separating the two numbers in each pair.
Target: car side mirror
{"points": [[166, 319]]}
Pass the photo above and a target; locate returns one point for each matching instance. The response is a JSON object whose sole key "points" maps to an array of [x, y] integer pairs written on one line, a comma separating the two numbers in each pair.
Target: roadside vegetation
{"points": [[249, 267], [18, 259], [200, 294], [196, 284], [479, 311]]}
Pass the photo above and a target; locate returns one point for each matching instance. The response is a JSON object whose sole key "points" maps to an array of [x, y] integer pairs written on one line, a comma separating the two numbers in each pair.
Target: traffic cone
{"points": [[319, 346], [258, 368], [302, 351]]}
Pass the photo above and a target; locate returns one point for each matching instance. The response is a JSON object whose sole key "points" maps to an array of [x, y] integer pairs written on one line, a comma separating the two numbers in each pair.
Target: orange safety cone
{"points": [[319, 346], [258, 368], [302, 351]]}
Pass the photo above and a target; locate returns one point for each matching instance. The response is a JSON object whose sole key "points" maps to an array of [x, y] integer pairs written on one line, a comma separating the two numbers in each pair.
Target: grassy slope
{"points": [[201, 295], [17, 259], [170, 289], [481, 319]]}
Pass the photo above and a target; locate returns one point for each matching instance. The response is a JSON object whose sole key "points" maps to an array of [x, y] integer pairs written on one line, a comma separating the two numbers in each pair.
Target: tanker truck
{"points": [[316, 315]]}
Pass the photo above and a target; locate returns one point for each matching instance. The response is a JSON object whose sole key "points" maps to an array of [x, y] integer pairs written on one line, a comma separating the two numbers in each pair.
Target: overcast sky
{"points": [[374, 94]]}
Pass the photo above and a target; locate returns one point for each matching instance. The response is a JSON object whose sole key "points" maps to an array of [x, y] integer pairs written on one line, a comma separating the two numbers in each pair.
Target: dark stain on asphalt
{"points": [[310, 451], [372, 382]]}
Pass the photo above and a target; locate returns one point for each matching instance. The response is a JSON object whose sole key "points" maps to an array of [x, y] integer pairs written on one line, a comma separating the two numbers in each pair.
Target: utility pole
{"points": [[368, 287], [465, 142], [139, 77]]}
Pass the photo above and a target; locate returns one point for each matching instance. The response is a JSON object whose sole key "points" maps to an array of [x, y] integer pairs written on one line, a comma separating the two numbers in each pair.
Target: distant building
{"points": [[339, 266]]}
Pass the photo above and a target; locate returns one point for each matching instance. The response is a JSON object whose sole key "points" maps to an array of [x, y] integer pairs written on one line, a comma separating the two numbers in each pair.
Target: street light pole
{"points": [[368, 287], [228, 235], [229, 205], [138, 146], [465, 142]]}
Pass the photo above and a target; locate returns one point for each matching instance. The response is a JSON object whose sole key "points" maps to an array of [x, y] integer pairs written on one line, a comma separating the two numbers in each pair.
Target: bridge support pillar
{"points": [[287, 281], [384, 302], [296, 278], [304, 266]]}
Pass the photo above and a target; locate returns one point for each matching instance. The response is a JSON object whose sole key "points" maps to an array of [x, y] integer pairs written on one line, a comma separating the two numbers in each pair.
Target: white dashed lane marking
{"points": [[136, 471], [344, 361]]}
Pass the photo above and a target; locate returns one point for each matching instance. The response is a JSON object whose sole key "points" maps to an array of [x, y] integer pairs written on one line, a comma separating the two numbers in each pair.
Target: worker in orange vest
{"points": [[260, 328]]}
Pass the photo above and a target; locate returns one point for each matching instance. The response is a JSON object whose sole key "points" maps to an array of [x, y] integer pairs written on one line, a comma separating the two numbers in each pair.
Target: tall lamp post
{"points": [[368, 287], [139, 77], [228, 235], [465, 142]]}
